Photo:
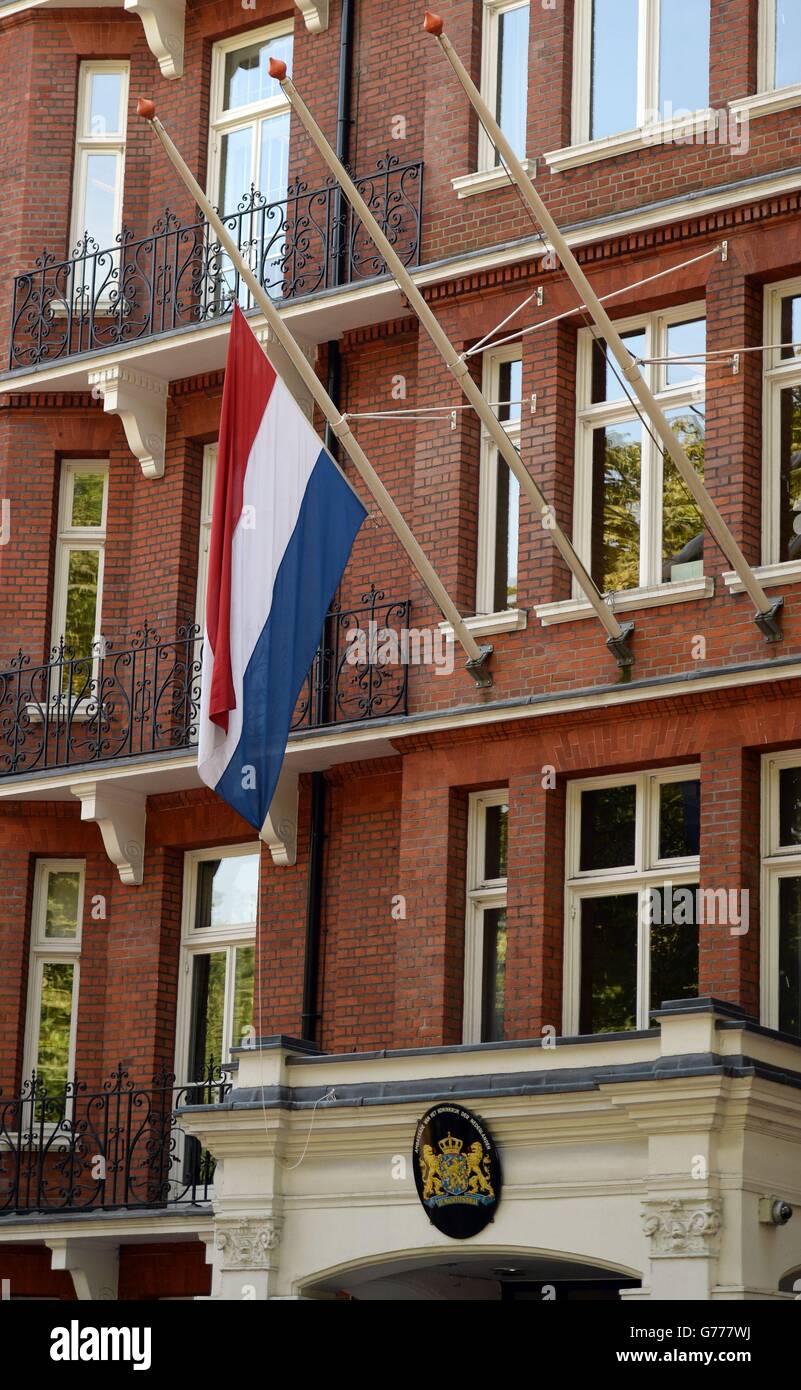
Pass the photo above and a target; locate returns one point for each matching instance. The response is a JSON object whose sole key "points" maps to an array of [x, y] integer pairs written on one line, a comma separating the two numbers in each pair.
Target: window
{"points": [[638, 63], [635, 522], [215, 1004], [781, 492], [780, 44], [504, 75], [631, 902], [485, 933], [99, 153], [781, 892], [53, 975], [79, 560], [499, 490], [206, 508]]}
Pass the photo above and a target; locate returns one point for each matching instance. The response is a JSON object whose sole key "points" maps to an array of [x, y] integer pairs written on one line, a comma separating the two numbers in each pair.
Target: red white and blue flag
{"points": [[283, 525]]}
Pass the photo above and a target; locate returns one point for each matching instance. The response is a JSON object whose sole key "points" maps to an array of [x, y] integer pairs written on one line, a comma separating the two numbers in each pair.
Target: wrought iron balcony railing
{"points": [[70, 711], [79, 1149], [178, 275]]}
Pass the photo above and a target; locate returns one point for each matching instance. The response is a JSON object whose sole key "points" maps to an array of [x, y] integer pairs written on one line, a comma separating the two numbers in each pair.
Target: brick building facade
{"points": [[421, 921]]}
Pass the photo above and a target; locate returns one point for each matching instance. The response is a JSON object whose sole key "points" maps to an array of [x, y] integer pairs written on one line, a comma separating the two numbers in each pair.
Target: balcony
{"points": [[145, 698], [73, 1149], [147, 288]]}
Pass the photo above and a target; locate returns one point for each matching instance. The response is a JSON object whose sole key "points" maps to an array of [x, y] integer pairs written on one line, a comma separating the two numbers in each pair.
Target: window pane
{"points": [[608, 820], [274, 159], [685, 340], [790, 806], [226, 892], [616, 458], [100, 200], [679, 819], [493, 995], [791, 325], [607, 382], [243, 995], [512, 78], [788, 43], [507, 533], [208, 1009], [790, 955], [510, 390], [790, 473], [246, 72], [83, 570], [236, 168], [55, 1019], [609, 963], [683, 56], [104, 105], [496, 821], [674, 944], [63, 896], [682, 526], [614, 67], [87, 499]]}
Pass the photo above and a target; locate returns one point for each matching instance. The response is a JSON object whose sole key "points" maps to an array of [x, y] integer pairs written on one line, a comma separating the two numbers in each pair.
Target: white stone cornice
{"points": [[164, 23], [120, 816], [315, 14], [140, 401], [280, 829]]}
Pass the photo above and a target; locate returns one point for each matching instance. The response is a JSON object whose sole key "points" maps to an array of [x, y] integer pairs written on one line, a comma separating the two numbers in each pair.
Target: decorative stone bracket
{"points": [[280, 829], [163, 22], [682, 1226], [315, 14], [248, 1243], [93, 1264], [141, 403], [120, 815]]}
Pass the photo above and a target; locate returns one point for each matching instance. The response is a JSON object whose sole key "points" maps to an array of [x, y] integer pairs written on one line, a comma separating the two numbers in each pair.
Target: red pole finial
{"points": [[146, 108], [433, 24], [277, 69]]}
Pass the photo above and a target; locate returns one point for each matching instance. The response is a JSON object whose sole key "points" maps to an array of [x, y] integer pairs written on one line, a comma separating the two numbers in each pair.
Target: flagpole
{"points": [[767, 615], [477, 655], [617, 633]]}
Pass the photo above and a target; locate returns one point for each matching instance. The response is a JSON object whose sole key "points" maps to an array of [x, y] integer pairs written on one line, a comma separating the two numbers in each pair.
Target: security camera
{"points": [[774, 1211]]}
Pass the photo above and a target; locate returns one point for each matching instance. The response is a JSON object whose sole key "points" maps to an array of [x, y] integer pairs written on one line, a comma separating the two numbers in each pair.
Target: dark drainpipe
{"points": [[310, 1017]]}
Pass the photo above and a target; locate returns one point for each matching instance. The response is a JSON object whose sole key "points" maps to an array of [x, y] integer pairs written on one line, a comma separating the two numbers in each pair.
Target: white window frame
{"points": [[590, 417], [778, 374], [204, 539], [482, 895], [493, 9], [583, 145], [77, 538], [778, 862], [222, 122], [647, 872], [86, 144], [488, 482], [48, 950], [766, 61], [196, 943]]}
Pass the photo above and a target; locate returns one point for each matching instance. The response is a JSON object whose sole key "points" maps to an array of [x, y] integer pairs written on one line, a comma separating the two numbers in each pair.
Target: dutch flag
{"points": [[283, 525]]}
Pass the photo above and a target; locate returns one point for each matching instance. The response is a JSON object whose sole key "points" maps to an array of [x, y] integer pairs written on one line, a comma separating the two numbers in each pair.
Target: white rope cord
{"points": [[604, 298], [424, 412], [693, 357], [519, 309]]}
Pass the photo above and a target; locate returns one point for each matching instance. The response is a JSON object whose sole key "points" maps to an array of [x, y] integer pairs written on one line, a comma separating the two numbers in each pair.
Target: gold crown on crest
{"points": [[449, 1145]]}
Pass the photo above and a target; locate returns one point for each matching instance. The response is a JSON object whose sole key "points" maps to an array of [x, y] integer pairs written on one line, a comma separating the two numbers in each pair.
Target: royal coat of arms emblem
{"points": [[457, 1174]]}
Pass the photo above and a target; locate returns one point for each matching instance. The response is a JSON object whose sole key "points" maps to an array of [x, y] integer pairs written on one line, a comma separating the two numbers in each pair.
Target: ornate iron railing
{"points": [[70, 711], [178, 275], [121, 1146]]}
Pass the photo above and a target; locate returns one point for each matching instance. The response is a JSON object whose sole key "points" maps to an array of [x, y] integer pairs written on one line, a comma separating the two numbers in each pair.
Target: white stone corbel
{"points": [[141, 403], [120, 815], [163, 22], [93, 1264], [280, 829], [315, 14]]}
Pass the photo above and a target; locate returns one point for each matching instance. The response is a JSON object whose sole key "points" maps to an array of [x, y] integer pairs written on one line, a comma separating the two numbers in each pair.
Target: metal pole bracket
{"points": [[478, 668], [769, 623], [619, 646]]}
